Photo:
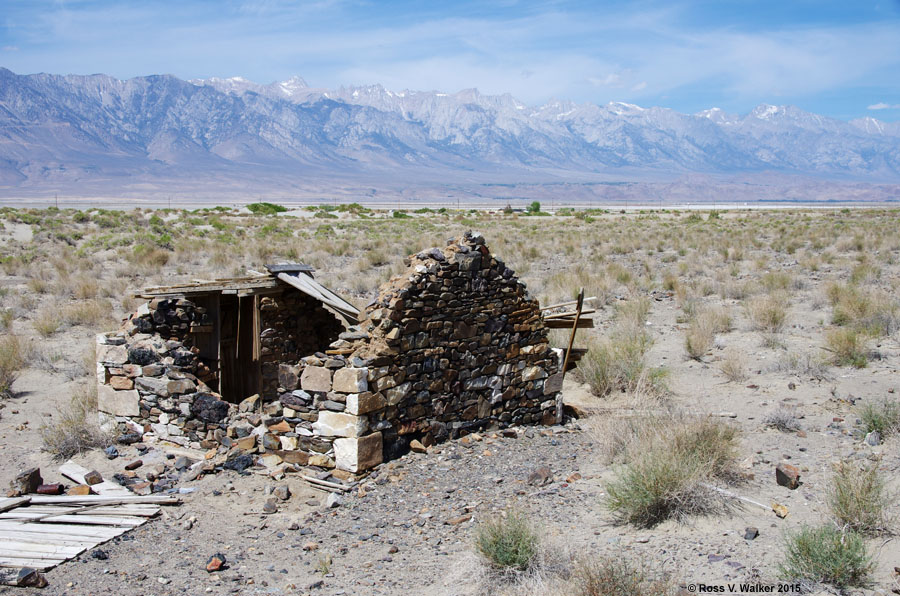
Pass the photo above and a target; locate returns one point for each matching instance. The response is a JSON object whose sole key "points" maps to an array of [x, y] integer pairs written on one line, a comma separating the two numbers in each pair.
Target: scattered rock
{"points": [[111, 452], [458, 520], [134, 465], [416, 446], [333, 500], [540, 476], [787, 475], [282, 492], [238, 463], [216, 563], [100, 555], [25, 482], [209, 408], [751, 533], [311, 546], [270, 506], [93, 477], [79, 490], [873, 438], [780, 510]]}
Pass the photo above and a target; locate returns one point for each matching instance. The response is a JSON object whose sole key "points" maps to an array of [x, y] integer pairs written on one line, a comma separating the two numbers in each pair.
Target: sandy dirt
{"points": [[408, 527]]}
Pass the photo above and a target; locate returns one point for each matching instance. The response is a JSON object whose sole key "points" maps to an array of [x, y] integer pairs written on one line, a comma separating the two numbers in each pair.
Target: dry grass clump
{"points": [[6, 319], [768, 313], [89, 313], [668, 464], [784, 419], [700, 335], [617, 362], [47, 322], [12, 358], [74, 429], [826, 555], [848, 347], [804, 365], [84, 287], [866, 309], [615, 577], [859, 499], [733, 367]]}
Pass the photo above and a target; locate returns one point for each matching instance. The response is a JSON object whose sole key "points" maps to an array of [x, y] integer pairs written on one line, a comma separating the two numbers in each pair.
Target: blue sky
{"points": [[841, 59]]}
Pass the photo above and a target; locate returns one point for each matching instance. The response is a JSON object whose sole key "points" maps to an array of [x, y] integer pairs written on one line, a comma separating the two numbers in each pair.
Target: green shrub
{"points": [[858, 498], [826, 555], [882, 416], [265, 208], [508, 543], [847, 347], [12, 358], [666, 468], [618, 362]]}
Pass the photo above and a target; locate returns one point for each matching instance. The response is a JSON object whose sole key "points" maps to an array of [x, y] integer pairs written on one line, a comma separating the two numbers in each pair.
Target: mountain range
{"points": [[156, 135]]}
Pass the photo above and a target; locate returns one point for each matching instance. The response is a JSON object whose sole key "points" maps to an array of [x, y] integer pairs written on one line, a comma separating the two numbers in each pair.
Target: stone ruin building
{"points": [[280, 366]]}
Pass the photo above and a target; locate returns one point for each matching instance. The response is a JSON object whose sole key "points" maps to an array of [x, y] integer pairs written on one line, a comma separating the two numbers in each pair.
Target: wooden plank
{"points": [[72, 531], [39, 564], [77, 473], [107, 500], [568, 324], [14, 548], [571, 313], [289, 267], [578, 307], [93, 520], [59, 539], [138, 509], [11, 503], [570, 303], [309, 286]]}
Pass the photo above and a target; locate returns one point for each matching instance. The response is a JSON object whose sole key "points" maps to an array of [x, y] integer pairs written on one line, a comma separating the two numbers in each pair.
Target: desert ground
{"points": [[739, 340]]}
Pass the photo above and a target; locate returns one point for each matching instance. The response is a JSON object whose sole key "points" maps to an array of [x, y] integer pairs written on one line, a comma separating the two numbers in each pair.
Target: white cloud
{"points": [[630, 54], [884, 106]]}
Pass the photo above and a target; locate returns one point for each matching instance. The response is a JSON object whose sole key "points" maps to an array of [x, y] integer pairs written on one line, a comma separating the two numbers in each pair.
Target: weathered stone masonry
{"points": [[451, 346]]}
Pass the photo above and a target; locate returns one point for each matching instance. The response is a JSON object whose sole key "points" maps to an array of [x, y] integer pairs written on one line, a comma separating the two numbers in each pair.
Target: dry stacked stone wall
{"points": [[451, 346], [152, 378], [292, 325], [149, 374]]}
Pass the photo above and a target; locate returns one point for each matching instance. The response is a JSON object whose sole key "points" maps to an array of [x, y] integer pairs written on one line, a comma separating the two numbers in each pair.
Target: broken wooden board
{"points": [[567, 323], [11, 503], [77, 473], [39, 532], [106, 500]]}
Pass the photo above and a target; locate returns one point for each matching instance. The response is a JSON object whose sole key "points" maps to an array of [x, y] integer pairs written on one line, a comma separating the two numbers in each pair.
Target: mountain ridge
{"points": [[95, 130]]}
